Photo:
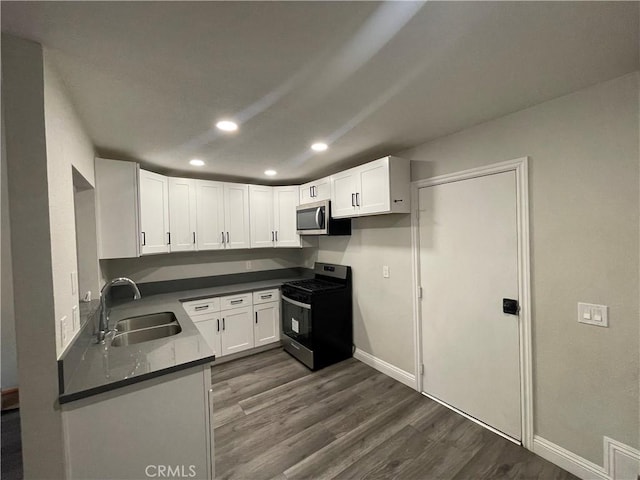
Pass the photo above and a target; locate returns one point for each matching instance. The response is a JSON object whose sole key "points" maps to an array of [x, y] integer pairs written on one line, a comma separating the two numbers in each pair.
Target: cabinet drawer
{"points": [[264, 296], [235, 301], [202, 307]]}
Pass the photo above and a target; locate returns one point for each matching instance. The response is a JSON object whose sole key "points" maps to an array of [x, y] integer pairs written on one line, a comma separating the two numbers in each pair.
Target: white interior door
{"points": [[468, 264]]}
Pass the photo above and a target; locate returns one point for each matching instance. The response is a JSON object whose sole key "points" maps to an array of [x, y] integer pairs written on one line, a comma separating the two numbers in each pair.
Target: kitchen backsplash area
{"points": [[156, 268]]}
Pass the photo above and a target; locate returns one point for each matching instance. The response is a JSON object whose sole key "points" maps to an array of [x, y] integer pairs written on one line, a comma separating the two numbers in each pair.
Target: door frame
{"points": [[521, 168]]}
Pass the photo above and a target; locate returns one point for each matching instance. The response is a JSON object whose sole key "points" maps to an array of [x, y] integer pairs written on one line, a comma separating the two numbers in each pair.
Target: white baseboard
{"points": [[571, 462], [390, 370], [621, 461]]}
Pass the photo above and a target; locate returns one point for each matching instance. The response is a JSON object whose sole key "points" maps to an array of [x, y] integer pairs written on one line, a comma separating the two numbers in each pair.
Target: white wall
{"points": [[584, 202], [26, 155], [382, 309], [155, 268], [9, 361], [67, 146]]}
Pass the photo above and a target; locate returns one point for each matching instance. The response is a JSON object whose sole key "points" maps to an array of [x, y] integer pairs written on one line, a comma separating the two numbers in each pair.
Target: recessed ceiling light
{"points": [[196, 163], [271, 173], [227, 126], [319, 147]]}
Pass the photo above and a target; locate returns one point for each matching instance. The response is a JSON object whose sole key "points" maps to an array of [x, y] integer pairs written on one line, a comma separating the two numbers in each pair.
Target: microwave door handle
{"points": [[319, 217]]}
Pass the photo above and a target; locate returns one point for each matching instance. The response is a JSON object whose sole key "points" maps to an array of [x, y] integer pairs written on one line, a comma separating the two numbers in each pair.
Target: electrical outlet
{"points": [[248, 264], [385, 271], [593, 314]]}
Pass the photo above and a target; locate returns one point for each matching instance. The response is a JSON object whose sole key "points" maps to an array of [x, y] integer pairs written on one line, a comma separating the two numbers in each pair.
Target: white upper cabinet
{"points": [[209, 215], [285, 201], [154, 213], [117, 209], [343, 194], [315, 191], [261, 216], [236, 215], [182, 214], [273, 216], [378, 187]]}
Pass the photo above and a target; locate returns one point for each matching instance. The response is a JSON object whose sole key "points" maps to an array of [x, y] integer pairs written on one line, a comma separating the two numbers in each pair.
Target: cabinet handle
{"points": [[273, 238], [144, 239], [235, 302], [276, 235], [266, 296], [201, 307], [194, 238], [227, 237], [223, 237], [218, 320], [256, 318], [169, 238], [353, 199], [357, 199], [223, 324]]}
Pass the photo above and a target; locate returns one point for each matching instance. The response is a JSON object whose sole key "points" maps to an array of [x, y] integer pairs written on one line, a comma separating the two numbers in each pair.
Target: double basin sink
{"points": [[144, 328]]}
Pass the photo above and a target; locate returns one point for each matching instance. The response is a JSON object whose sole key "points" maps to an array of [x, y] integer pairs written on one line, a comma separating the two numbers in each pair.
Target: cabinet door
{"points": [[117, 210], [374, 194], [236, 215], [266, 327], [261, 216], [182, 214], [209, 214], [306, 193], [154, 213], [209, 327], [237, 330], [285, 201], [343, 189], [322, 189]]}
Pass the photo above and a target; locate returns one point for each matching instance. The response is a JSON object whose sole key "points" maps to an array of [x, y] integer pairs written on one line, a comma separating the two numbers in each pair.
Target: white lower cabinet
{"points": [[266, 328], [235, 323], [100, 431], [209, 327], [237, 331]]}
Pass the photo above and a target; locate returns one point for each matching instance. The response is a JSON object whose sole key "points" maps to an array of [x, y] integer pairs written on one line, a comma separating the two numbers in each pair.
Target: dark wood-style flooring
{"points": [[276, 419]]}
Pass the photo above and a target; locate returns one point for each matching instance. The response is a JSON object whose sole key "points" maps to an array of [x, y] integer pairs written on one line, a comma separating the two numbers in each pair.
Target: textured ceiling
{"points": [[149, 79]]}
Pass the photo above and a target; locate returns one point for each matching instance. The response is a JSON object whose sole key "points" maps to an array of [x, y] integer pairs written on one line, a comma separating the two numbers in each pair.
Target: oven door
{"points": [[296, 321], [311, 219]]}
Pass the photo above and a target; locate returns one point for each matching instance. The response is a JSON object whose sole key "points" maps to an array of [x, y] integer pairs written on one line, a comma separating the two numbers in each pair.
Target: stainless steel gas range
{"points": [[317, 316]]}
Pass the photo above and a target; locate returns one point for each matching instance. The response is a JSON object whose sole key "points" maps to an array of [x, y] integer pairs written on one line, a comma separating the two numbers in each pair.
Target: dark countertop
{"points": [[90, 369]]}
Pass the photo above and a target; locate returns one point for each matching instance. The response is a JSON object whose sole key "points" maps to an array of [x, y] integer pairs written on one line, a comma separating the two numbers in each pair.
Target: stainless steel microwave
{"points": [[315, 219]]}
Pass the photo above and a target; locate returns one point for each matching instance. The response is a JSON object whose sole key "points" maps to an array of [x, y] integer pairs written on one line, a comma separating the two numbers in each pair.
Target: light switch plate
{"points": [[385, 271], [248, 264], [76, 317], [593, 314], [63, 331], [74, 282]]}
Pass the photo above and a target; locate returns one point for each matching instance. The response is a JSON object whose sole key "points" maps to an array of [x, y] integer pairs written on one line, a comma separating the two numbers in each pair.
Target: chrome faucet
{"points": [[104, 314]]}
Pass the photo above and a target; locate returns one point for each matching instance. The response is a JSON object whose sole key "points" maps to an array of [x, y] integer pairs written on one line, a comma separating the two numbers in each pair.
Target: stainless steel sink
{"points": [[145, 321], [145, 334]]}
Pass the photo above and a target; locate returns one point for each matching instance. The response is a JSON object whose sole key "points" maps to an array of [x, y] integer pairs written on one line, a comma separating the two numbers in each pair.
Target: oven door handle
{"points": [[298, 304]]}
